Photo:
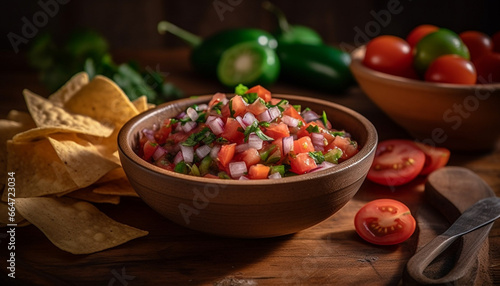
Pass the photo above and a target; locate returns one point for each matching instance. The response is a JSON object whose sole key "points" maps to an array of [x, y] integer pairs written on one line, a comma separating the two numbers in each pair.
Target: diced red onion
{"points": [[202, 107], [254, 141], [323, 166], [237, 169], [287, 144], [249, 118], [240, 121], [290, 121], [214, 152], [318, 139], [203, 151], [274, 112], [150, 134], [241, 147], [178, 158], [187, 153], [181, 115], [160, 151], [178, 128], [276, 175], [188, 126], [193, 114], [243, 178], [264, 116], [310, 116], [216, 124], [319, 148]]}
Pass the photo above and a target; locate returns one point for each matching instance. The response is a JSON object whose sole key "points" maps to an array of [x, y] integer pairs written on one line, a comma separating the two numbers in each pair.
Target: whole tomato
{"points": [[390, 54], [435, 44], [478, 43], [419, 32], [488, 68], [451, 69]]}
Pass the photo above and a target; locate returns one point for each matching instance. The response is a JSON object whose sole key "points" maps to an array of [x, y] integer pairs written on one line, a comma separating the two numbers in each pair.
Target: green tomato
{"points": [[433, 45]]}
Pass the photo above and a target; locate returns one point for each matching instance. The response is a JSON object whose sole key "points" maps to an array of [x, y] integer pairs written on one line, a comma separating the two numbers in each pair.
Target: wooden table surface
{"points": [[329, 253]]}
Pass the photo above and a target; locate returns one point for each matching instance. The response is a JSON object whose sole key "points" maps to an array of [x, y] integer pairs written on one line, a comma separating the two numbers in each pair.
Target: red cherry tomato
{"points": [[419, 32], [496, 42], [384, 222], [488, 68], [389, 54], [451, 69], [396, 162], [478, 43], [435, 157]]}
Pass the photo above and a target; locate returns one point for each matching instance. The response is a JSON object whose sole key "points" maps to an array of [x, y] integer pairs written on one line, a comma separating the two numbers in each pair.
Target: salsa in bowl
{"points": [[248, 208]]}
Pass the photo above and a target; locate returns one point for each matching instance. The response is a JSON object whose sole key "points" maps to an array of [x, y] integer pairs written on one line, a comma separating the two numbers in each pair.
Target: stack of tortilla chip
{"points": [[63, 155]]}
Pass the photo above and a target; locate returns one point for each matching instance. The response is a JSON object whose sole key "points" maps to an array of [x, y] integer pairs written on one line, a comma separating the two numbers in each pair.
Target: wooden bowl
{"points": [[253, 208], [461, 117]]}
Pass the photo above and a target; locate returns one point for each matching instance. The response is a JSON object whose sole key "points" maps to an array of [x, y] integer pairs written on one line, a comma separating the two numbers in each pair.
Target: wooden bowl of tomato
{"points": [[456, 116], [247, 208]]}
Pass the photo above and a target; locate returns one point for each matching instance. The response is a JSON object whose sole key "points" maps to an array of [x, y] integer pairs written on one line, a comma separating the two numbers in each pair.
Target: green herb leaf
{"points": [[250, 97], [255, 128], [317, 156], [324, 119], [231, 111], [195, 138], [337, 133]]}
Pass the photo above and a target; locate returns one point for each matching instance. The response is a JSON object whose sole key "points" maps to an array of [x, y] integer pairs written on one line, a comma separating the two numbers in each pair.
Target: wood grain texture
{"points": [[329, 253]]}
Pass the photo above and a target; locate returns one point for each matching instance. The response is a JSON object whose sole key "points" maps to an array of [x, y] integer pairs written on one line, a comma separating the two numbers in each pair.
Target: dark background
{"points": [[131, 24]]}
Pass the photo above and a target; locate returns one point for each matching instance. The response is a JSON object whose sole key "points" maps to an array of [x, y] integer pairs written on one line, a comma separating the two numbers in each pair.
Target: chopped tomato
{"points": [[258, 171], [329, 137], [292, 112], [149, 149], [261, 92], [384, 222], [250, 157], [303, 130], [396, 162], [231, 132], [303, 145], [257, 107], [302, 163], [218, 97], [226, 154], [162, 134], [348, 147], [211, 176], [237, 105], [435, 157], [277, 130]]}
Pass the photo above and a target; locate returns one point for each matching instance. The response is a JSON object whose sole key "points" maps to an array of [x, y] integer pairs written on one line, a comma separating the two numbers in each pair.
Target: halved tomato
{"points": [[396, 162], [435, 157], [384, 222]]}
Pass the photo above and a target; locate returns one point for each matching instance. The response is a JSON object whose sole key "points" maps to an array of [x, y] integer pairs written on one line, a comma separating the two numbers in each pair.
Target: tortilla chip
{"points": [[88, 195], [75, 226], [8, 129], [55, 119], [141, 104], [38, 169], [119, 187], [63, 94], [22, 117], [104, 101], [82, 160], [114, 174]]}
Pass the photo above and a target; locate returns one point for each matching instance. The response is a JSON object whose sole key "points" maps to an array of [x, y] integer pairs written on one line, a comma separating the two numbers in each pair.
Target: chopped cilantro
{"points": [[221, 140], [264, 124], [337, 133], [306, 109], [255, 128], [312, 129], [250, 97], [196, 138], [217, 107], [317, 156], [297, 107], [231, 111]]}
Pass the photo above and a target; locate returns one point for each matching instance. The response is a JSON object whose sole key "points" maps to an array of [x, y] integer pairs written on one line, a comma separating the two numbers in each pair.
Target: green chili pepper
{"points": [[321, 67], [207, 53], [291, 33]]}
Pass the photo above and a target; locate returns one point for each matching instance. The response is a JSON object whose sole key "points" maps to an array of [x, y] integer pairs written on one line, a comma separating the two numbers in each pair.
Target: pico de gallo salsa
{"points": [[249, 136]]}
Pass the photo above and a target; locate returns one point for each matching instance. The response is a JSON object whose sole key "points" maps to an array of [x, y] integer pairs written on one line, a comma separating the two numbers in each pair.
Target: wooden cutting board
{"points": [[330, 253]]}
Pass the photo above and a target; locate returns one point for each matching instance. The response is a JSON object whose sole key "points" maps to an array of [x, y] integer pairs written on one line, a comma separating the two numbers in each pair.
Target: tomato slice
{"points": [[396, 162], [384, 222], [435, 157]]}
